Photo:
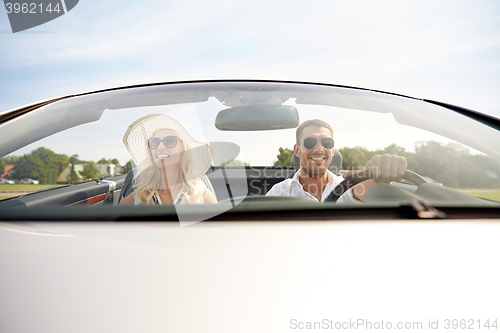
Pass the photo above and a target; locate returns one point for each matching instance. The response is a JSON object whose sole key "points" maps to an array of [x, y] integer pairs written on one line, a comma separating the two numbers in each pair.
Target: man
{"points": [[313, 181]]}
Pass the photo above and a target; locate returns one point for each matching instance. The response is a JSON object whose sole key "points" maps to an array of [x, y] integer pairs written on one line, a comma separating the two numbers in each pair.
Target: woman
{"points": [[170, 163]]}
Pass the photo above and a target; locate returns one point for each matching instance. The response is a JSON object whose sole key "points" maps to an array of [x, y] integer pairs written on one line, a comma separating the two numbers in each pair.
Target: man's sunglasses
{"points": [[168, 141], [311, 142]]}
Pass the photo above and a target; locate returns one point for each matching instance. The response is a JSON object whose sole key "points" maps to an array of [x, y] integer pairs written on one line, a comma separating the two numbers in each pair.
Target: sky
{"points": [[443, 50]]}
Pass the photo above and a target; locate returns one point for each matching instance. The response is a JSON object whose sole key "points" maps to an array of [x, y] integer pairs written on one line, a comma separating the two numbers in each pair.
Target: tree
{"points": [[394, 149], [127, 167], [73, 175], [235, 163], [42, 164], [440, 162], [115, 161], [355, 158], [103, 161], [75, 160], [485, 171], [3, 163], [284, 157], [90, 171]]}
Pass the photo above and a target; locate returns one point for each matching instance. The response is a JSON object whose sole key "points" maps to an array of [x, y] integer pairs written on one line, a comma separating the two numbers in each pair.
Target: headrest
{"points": [[335, 164]]}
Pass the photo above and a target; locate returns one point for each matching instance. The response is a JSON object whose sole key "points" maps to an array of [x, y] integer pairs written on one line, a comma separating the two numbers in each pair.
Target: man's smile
{"points": [[317, 158]]}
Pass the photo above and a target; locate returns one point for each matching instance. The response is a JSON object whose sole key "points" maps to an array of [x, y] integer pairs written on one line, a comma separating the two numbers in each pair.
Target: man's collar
{"points": [[296, 177]]}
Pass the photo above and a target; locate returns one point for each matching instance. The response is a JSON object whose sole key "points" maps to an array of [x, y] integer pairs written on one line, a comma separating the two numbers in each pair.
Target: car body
{"points": [[74, 260], [29, 181]]}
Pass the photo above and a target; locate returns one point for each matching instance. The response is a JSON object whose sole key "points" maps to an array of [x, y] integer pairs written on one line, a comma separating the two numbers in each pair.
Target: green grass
{"points": [[6, 189], [487, 195], [23, 187]]}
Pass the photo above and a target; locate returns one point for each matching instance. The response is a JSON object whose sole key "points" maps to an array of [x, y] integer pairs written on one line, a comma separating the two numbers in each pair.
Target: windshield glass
{"points": [[251, 130]]}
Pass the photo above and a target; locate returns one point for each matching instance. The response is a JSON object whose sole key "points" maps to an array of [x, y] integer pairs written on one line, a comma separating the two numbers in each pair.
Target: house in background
{"points": [[66, 173], [109, 169], [8, 172]]}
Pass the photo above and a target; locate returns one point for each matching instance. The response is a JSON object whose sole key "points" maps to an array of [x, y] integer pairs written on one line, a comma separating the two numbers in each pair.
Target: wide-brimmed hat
{"points": [[140, 131]]}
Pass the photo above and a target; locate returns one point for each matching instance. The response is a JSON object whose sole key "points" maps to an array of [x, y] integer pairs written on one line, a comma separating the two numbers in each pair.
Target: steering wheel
{"points": [[365, 174]]}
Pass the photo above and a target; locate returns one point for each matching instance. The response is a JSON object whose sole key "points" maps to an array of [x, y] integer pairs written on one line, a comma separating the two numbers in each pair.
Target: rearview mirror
{"points": [[257, 118]]}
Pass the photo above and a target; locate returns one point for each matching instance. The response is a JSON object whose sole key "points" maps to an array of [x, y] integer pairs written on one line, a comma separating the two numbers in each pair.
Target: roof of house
{"points": [[7, 168]]}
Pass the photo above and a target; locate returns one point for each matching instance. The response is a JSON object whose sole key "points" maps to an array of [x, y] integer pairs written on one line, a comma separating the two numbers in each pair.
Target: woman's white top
{"points": [[177, 201]]}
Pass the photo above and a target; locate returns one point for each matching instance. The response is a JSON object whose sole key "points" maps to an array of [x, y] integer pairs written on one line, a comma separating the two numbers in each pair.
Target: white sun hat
{"points": [[140, 131]]}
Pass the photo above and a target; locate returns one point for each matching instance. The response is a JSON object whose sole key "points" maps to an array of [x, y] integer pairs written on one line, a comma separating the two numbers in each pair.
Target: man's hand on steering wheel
{"points": [[381, 168], [387, 168], [384, 169]]}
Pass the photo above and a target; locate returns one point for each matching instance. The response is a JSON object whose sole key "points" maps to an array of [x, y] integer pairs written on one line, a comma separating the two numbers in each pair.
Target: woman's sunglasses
{"points": [[311, 142], [168, 141]]}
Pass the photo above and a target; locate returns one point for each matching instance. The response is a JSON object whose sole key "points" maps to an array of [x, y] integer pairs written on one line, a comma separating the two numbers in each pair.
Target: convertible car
{"points": [[419, 254]]}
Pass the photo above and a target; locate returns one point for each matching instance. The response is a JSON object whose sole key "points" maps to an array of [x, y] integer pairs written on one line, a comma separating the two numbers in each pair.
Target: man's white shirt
{"points": [[293, 188]]}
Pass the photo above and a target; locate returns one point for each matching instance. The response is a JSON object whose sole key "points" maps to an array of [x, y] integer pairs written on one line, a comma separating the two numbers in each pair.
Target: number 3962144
{"points": [[30, 8]]}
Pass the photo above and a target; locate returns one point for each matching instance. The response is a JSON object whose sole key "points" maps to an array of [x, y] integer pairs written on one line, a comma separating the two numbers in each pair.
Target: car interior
{"points": [[236, 111]]}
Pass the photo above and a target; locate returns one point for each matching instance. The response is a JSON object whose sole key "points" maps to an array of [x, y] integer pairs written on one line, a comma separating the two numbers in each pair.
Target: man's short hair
{"points": [[312, 122]]}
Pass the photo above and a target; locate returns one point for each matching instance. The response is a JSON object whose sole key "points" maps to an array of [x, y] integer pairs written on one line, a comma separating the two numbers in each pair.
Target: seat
{"points": [[335, 165], [128, 184], [127, 187]]}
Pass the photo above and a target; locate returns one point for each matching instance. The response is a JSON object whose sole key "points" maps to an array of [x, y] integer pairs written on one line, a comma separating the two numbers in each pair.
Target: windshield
{"points": [[251, 129]]}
